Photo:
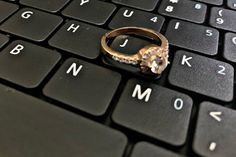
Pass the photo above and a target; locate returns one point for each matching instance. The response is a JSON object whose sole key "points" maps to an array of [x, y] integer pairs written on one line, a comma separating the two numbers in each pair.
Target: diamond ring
{"points": [[152, 58]]}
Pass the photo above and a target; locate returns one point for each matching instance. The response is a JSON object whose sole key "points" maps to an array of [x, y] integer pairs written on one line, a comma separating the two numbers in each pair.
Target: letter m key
{"points": [[142, 95]]}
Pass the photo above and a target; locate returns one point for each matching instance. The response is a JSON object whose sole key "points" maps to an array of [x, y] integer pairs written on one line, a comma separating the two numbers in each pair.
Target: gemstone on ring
{"points": [[153, 59]]}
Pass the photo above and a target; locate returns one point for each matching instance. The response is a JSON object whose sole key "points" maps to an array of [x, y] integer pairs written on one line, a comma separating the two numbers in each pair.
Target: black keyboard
{"points": [[60, 97]]}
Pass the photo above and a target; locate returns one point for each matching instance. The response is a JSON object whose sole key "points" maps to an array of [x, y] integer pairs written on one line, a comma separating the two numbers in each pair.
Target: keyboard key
{"points": [[214, 2], [33, 128], [223, 19], [184, 9], [7, 9], [3, 40], [51, 6], [215, 131], [144, 149], [31, 24], [85, 86], [132, 17], [202, 75], [148, 5], [231, 4], [127, 45], [93, 11], [192, 36], [230, 47], [26, 64], [78, 38], [142, 107]]}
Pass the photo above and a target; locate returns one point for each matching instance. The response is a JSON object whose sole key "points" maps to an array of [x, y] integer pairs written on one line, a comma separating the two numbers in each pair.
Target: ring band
{"points": [[152, 58]]}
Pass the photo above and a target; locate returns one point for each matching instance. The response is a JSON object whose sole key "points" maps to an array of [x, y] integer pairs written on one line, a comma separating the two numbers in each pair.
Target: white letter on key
{"points": [[74, 69], [138, 91], [186, 60], [83, 2], [27, 14], [125, 43], [73, 28], [128, 15], [17, 49]]}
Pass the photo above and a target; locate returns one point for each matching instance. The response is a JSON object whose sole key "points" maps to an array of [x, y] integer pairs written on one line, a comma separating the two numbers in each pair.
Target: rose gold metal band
{"points": [[146, 56]]}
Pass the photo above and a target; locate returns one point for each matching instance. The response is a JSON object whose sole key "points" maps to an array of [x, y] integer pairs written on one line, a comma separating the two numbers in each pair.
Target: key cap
{"points": [[26, 64], [184, 9], [215, 131], [85, 86], [33, 128], [78, 38], [132, 17], [127, 45], [51, 6], [223, 19], [230, 46], [143, 105], [192, 36], [202, 75], [32, 24], [3, 40], [148, 5], [214, 2], [144, 149], [231, 4], [7, 9], [93, 11]]}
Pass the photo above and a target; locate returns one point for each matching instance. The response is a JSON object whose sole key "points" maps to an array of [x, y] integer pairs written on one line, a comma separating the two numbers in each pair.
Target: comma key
{"points": [[202, 75], [31, 24], [215, 131]]}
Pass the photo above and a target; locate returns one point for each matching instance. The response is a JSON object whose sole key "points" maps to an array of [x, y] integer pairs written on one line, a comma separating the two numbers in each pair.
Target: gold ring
{"points": [[152, 58]]}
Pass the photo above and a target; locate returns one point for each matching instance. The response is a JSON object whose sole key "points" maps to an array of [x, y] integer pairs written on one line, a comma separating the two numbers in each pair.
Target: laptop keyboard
{"points": [[59, 96]]}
